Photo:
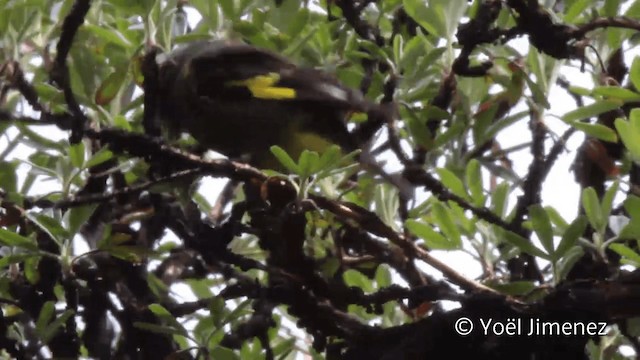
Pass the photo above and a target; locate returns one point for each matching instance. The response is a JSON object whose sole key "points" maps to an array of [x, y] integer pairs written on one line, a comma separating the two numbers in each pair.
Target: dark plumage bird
{"points": [[240, 100]]}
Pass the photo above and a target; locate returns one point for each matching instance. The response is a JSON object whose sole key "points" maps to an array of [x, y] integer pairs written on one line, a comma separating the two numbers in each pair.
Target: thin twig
{"points": [[96, 198]]}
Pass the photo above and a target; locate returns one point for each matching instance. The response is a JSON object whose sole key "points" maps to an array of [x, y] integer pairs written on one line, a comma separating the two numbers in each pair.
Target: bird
{"points": [[239, 100]]}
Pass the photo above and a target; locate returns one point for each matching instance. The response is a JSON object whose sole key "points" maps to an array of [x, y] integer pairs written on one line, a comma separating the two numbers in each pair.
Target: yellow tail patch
{"points": [[261, 87]]}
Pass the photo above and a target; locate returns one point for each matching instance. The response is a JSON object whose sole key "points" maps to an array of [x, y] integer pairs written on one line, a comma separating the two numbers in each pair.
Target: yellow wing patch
{"points": [[261, 87]]}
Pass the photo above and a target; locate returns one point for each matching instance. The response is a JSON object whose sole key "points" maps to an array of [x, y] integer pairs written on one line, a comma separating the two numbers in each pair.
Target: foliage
{"points": [[111, 248]]}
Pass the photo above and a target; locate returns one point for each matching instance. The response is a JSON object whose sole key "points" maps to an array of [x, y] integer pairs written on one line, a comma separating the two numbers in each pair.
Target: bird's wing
{"points": [[222, 64], [315, 86], [232, 70]]}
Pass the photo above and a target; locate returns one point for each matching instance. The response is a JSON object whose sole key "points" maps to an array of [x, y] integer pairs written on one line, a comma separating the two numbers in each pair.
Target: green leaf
{"points": [[556, 218], [432, 239], [579, 90], [110, 87], [299, 44], [77, 216], [597, 108], [308, 163], [38, 140], [630, 231], [499, 199], [223, 353], [356, 278], [252, 349], [214, 338], [99, 157], [284, 348], [412, 50], [634, 73], [426, 16], [285, 159], [456, 129], [634, 10], [435, 113], [109, 34], [239, 311], [121, 122], [632, 205], [201, 287], [49, 93], [76, 154], [420, 133], [8, 177], [452, 182], [566, 263], [298, 21], [592, 208], [52, 227], [397, 48], [496, 126], [473, 177], [373, 49], [524, 245], [452, 12], [570, 237], [228, 8], [445, 222], [617, 93], [7, 260], [607, 199], [627, 253], [9, 238], [31, 270], [164, 314], [160, 311], [599, 131], [386, 204], [610, 8], [537, 91], [576, 9], [52, 329], [542, 226], [46, 314], [217, 311], [330, 159], [383, 276], [630, 133]]}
